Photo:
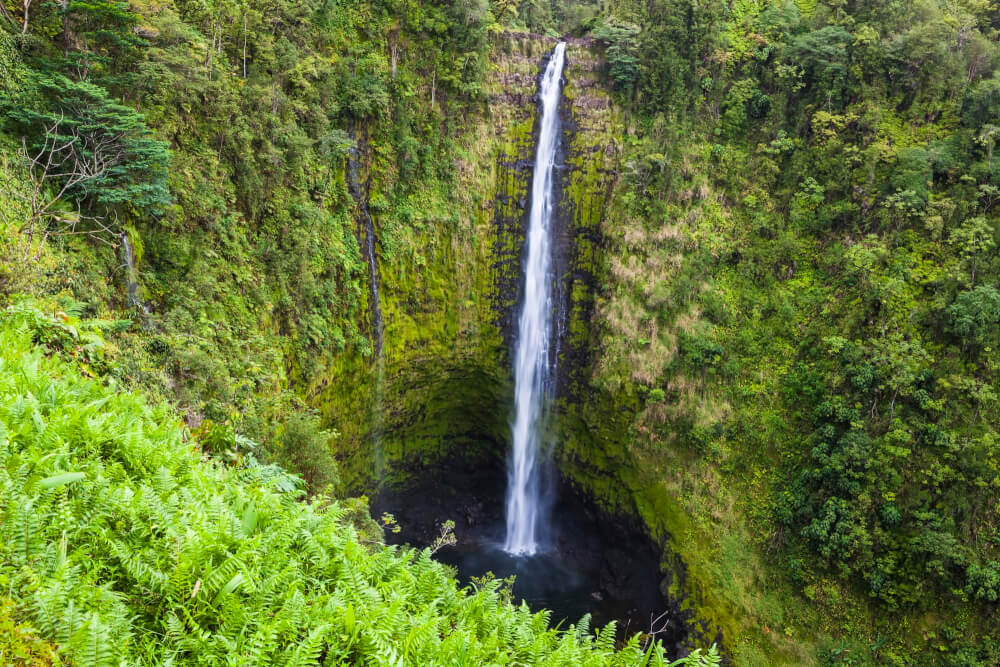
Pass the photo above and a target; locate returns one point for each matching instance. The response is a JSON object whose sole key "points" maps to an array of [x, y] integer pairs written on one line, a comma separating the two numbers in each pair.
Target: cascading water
{"points": [[377, 325], [533, 364], [132, 276]]}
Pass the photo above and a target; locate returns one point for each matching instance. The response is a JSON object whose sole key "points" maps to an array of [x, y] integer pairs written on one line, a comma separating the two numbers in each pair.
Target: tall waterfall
{"points": [[535, 331]]}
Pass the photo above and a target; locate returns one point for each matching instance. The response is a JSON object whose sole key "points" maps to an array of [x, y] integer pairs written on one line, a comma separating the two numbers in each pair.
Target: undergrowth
{"points": [[122, 543]]}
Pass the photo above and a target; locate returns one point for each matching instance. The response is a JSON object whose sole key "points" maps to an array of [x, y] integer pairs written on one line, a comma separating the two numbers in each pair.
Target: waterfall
{"points": [[376, 306], [532, 363], [378, 342], [378, 345], [132, 276]]}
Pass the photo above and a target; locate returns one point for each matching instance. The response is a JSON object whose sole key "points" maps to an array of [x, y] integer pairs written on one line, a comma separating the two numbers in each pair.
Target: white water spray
{"points": [[535, 330]]}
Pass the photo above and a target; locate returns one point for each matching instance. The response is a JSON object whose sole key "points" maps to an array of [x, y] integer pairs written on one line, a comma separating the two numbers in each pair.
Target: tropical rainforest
{"points": [[259, 260]]}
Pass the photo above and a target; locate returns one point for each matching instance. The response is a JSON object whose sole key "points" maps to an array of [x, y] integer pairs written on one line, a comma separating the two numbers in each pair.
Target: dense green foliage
{"points": [[107, 145], [122, 544], [799, 298], [817, 180], [253, 247]]}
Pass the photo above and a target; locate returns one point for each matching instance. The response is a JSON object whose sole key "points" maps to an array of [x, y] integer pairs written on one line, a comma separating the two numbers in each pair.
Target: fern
{"points": [[25, 531], [92, 646], [306, 653], [127, 549], [806, 7]]}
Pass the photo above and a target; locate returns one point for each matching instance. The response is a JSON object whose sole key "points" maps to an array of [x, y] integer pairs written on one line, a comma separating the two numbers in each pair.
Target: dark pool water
{"points": [[549, 581], [592, 564]]}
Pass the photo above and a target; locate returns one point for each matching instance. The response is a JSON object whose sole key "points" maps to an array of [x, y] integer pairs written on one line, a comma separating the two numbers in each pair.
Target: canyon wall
{"points": [[449, 291]]}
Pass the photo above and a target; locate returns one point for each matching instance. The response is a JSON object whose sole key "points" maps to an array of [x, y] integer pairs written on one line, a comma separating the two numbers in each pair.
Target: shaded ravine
{"points": [[582, 561], [604, 559]]}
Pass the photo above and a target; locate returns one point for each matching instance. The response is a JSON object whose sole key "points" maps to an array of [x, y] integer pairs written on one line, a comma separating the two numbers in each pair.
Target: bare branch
{"points": [[446, 538], [658, 625], [65, 159]]}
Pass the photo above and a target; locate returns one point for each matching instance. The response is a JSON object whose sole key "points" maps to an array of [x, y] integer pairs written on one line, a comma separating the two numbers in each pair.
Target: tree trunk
{"points": [[67, 32], [244, 47], [7, 15], [24, 28], [211, 54]]}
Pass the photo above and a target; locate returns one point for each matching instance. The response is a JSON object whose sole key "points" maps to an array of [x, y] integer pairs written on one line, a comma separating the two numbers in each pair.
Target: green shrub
{"points": [[20, 645], [305, 446]]}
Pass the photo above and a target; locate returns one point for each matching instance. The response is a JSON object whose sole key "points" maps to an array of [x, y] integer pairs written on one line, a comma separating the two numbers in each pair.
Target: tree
{"points": [[82, 151], [305, 446], [975, 314], [7, 16], [24, 25], [902, 361], [824, 57], [505, 11], [54, 168], [103, 38], [107, 142], [984, 581], [972, 239], [622, 42]]}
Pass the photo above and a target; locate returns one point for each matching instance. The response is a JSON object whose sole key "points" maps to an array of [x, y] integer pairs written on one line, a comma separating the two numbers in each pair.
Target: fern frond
{"points": [[91, 645]]}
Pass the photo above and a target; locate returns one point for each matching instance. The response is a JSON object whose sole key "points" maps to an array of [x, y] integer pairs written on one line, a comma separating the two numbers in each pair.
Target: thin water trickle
{"points": [[378, 344], [132, 276], [358, 192], [533, 365]]}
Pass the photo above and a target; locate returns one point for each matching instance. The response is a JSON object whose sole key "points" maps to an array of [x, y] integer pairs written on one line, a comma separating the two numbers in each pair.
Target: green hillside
{"points": [[123, 544], [780, 284]]}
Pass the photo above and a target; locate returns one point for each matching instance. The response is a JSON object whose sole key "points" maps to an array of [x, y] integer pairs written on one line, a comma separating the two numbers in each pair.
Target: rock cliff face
{"points": [[591, 168], [449, 309]]}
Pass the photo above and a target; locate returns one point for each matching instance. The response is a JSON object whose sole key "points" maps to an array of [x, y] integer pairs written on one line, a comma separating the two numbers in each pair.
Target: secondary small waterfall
{"points": [[358, 192], [532, 361], [131, 275]]}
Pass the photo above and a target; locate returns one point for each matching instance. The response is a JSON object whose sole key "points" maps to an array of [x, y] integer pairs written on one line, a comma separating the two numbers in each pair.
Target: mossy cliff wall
{"points": [[588, 172], [596, 436], [449, 282]]}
